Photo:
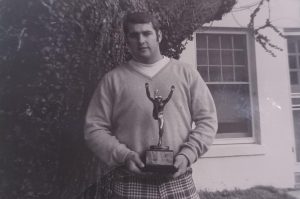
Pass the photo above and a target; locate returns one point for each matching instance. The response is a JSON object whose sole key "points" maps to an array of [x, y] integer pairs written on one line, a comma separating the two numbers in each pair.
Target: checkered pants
{"points": [[118, 184]]}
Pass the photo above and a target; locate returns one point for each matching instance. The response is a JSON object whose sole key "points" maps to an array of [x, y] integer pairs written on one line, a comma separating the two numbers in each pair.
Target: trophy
{"points": [[159, 158]]}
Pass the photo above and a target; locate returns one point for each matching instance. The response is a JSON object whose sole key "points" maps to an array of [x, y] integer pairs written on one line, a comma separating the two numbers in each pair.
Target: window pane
{"points": [[202, 57], [235, 127], [227, 58], [294, 78], [215, 74], [296, 115], [213, 42], [233, 108], [201, 41], [241, 74], [240, 58], [292, 61], [239, 42], [296, 101], [291, 47], [226, 42], [203, 70], [214, 57], [227, 74]]}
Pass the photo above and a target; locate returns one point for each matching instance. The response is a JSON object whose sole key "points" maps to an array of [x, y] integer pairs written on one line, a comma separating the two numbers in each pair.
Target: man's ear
{"points": [[159, 36]]}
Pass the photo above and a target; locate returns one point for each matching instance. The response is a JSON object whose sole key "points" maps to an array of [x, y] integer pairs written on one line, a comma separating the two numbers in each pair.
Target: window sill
{"points": [[234, 150]]}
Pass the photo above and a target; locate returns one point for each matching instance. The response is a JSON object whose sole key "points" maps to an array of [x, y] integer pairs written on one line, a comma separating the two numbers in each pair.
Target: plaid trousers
{"points": [[119, 184]]}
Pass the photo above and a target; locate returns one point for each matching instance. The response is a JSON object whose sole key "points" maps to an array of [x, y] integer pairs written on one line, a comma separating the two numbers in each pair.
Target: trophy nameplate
{"points": [[159, 159]]}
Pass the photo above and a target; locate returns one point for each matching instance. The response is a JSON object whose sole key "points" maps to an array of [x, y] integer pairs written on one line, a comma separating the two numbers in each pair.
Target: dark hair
{"points": [[139, 18]]}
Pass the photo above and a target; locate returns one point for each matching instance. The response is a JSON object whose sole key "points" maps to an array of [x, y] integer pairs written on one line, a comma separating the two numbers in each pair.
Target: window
{"points": [[222, 60], [294, 62], [294, 67]]}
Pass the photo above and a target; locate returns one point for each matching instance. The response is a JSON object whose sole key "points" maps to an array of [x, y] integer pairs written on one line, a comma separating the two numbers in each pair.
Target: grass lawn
{"points": [[259, 192]]}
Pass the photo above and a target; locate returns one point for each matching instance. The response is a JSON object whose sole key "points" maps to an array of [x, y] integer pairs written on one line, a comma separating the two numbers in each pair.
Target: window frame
{"points": [[252, 82], [295, 105]]}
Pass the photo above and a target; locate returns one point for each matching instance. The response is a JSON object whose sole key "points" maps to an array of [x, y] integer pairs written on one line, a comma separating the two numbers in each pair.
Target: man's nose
{"points": [[141, 38]]}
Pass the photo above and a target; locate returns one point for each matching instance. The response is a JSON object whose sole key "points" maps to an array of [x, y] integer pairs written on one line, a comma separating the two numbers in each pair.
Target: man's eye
{"points": [[133, 35], [147, 33]]}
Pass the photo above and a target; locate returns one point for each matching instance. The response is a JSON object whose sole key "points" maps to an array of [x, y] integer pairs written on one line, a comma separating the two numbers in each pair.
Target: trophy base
{"points": [[159, 159], [160, 169]]}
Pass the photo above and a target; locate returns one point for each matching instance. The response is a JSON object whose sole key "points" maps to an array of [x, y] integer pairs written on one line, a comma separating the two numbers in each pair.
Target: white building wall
{"points": [[272, 161]]}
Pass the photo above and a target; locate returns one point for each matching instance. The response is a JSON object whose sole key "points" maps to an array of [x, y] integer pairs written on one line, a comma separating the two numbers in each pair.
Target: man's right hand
{"points": [[134, 163]]}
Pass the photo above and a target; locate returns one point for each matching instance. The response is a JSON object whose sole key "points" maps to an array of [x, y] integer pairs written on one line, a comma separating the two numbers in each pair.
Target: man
{"points": [[120, 127]]}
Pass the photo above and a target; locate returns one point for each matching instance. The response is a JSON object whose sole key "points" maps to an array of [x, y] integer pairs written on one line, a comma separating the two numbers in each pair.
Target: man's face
{"points": [[143, 42]]}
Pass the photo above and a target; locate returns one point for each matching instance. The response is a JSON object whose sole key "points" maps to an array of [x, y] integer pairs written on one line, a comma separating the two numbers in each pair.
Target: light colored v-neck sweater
{"points": [[119, 118]]}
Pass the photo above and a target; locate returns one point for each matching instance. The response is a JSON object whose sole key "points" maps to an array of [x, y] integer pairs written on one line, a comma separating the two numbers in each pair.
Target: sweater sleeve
{"points": [[203, 112], [98, 125]]}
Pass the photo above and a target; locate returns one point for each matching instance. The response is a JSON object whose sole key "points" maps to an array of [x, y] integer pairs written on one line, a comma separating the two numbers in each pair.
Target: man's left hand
{"points": [[181, 164]]}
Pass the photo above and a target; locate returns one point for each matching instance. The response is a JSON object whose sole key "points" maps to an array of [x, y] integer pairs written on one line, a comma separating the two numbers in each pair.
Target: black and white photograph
{"points": [[149, 99]]}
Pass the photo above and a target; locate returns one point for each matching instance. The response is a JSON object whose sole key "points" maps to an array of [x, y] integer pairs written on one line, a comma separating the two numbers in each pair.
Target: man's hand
{"points": [[134, 163], [181, 164]]}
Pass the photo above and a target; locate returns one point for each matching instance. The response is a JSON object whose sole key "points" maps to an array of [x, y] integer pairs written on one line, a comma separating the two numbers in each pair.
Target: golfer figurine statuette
{"points": [[159, 158]]}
